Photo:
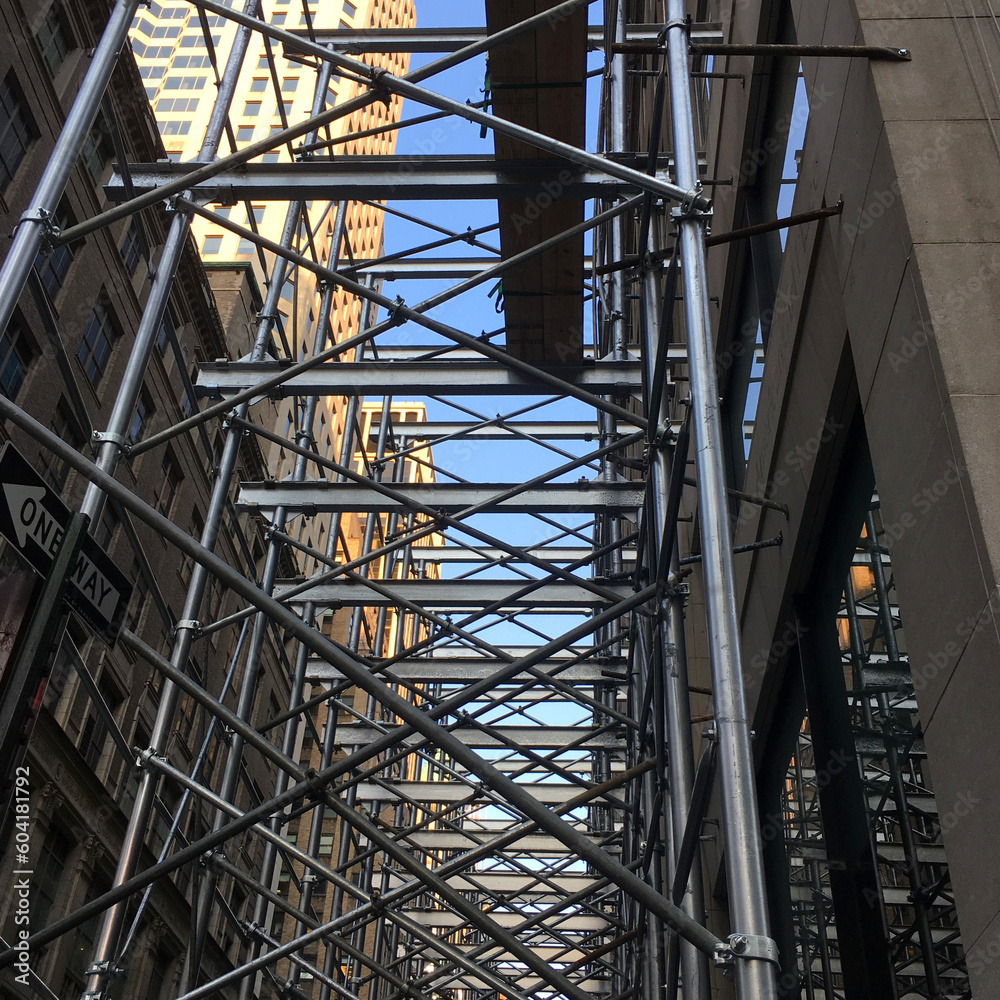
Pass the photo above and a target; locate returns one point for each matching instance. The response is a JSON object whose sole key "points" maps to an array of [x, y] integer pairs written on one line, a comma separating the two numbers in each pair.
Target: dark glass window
{"points": [[144, 410], [98, 338], [54, 38], [17, 350], [97, 148], [53, 469], [131, 248], [53, 265], [170, 478], [167, 326], [49, 868], [16, 130]]}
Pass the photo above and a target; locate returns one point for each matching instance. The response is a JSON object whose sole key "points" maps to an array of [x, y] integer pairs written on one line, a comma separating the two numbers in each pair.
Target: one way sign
{"points": [[33, 518]]}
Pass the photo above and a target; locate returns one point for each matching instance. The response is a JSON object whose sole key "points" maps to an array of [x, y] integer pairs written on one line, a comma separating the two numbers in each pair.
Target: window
{"points": [[144, 410], [54, 39], [104, 532], [17, 351], [258, 85], [278, 19], [53, 469], [173, 128], [349, 9], [177, 104], [167, 327], [49, 868], [95, 729], [152, 72], [184, 82], [289, 84], [257, 211], [52, 265], [251, 109], [98, 338], [196, 531], [191, 62], [96, 148], [137, 602], [246, 248], [284, 106], [131, 249], [211, 244], [16, 130], [244, 133], [170, 478]]}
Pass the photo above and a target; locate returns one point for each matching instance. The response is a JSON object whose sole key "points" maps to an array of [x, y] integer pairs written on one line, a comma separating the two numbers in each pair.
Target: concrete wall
{"points": [[908, 281]]}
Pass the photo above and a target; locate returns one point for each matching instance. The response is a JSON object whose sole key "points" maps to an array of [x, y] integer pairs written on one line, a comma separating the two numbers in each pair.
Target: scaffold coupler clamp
{"points": [[746, 946], [122, 443], [189, 623], [677, 22], [394, 319], [44, 218], [663, 435], [693, 205]]}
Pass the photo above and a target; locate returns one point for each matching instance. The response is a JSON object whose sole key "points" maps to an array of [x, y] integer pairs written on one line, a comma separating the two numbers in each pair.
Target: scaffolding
{"points": [[485, 785]]}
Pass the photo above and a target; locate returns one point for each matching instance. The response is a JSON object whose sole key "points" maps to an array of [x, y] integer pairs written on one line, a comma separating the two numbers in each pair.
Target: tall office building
{"points": [[180, 58]]}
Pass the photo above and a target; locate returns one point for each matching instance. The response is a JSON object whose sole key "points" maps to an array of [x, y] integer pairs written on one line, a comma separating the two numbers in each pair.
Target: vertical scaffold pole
{"points": [[101, 970], [755, 953], [680, 758], [34, 222]]}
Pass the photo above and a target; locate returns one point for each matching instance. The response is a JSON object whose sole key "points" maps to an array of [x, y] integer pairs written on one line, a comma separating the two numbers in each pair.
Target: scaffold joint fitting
{"points": [[109, 437], [751, 946]]}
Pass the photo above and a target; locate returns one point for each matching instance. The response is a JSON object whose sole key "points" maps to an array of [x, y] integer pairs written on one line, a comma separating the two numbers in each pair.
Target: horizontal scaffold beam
{"points": [[447, 377], [460, 554], [548, 737], [409, 178], [521, 883], [466, 670], [548, 793], [449, 594], [356, 41], [449, 918], [551, 498], [498, 430], [451, 840]]}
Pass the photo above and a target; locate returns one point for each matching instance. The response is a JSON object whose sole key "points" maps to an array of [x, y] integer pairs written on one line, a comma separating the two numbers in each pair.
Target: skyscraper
{"points": [[180, 59]]}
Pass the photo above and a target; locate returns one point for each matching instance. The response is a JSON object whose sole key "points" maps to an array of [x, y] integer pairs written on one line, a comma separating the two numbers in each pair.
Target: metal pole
{"points": [[32, 228], [756, 962], [680, 760], [101, 970]]}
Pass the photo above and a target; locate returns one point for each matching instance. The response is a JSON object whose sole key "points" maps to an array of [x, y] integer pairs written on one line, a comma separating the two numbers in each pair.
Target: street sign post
{"points": [[33, 519]]}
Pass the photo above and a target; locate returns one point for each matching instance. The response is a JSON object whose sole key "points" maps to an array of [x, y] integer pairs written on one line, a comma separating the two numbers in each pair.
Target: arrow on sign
{"points": [[31, 519]]}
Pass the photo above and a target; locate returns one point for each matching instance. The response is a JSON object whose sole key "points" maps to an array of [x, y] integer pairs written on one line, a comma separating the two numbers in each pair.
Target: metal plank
{"points": [[356, 41], [532, 843], [447, 377], [448, 918], [509, 882], [541, 737], [456, 791], [552, 430], [409, 178], [586, 496], [455, 594], [467, 670]]}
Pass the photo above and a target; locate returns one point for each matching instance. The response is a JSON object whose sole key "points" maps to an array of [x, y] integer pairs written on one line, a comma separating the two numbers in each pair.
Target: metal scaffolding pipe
{"points": [[756, 952]]}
